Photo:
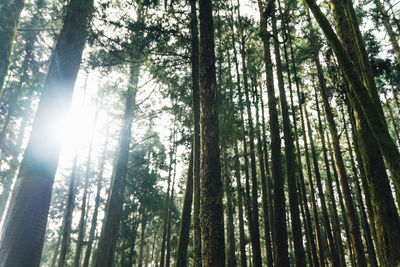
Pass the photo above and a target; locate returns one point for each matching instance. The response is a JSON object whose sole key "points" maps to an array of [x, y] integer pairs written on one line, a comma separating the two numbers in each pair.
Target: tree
{"points": [[21, 245], [211, 210], [10, 12]]}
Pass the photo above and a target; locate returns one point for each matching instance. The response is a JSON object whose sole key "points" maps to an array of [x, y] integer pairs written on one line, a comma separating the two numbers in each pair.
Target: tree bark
{"points": [[194, 58], [30, 200], [211, 209]]}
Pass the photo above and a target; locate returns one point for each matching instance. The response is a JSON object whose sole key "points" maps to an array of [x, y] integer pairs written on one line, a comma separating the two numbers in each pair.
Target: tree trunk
{"points": [[314, 208], [81, 226], [343, 178], [363, 94], [211, 209], [9, 19], [332, 207], [328, 231], [21, 245], [231, 247], [65, 241], [194, 58], [96, 205], [289, 154], [142, 237], [236, 162], [364, 221], [281, 257], [255, 238], [109, 231], [183, 241], [264, 173], [384, 16], [172, 157]]}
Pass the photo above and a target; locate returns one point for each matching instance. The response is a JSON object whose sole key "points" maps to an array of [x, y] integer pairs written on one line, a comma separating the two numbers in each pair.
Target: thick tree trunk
{"points": [[363, 94], [211, 209], [21, 245], [10, 12], [109, 231], [183, 240]]}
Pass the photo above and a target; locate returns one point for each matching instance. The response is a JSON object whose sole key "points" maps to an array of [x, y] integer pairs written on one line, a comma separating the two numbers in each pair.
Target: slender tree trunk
{"points": [[263, 174], [183, 240], [364, 221], [168, 254], [109, 231], [66, 234], [332, 207], [81, 226], [211, 209], [10, 12], [255, 238], [21, 245], [281, 257], [341, 203], [243, 137], [57, 246], [392, 117], [384, 16], [314, 208], [328, 231], [96, 205], [309, 232], [172, 157], [291, 163], [231, 249], [142, 237], [242, 238], [194, 58]]}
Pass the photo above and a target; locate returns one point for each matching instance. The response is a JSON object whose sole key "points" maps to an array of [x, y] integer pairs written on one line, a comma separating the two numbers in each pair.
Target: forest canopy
{"points": [[199, 133]]}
